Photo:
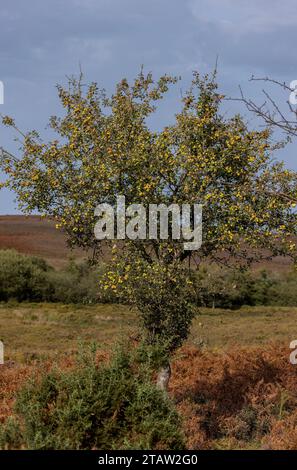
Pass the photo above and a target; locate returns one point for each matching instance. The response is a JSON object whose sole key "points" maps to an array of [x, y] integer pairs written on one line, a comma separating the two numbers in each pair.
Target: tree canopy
{"points": [[105, 148]]}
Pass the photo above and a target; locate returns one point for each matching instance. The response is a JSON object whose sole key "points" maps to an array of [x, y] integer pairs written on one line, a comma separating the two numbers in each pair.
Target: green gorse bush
{"points": [[105, 406]]}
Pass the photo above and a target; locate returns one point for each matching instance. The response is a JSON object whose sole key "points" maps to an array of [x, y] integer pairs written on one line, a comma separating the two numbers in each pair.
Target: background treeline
{"points": [[29, 278]]}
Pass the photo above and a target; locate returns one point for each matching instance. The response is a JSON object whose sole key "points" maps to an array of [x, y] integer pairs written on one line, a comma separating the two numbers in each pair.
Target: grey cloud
{"points": [[42, 41]]}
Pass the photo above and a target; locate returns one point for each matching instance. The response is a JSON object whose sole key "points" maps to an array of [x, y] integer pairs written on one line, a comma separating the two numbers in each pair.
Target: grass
{"points": [[43, 330], [248, 326], [236, 392]]}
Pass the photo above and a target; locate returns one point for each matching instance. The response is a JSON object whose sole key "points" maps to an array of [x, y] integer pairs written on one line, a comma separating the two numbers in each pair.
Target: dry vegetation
{"points": [[232, 382], [45, 329], [243, 398], [230, 395], [35, 236]]}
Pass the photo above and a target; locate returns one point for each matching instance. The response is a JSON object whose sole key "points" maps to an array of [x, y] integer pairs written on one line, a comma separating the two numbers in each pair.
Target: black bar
{"points": [[133, 459]]}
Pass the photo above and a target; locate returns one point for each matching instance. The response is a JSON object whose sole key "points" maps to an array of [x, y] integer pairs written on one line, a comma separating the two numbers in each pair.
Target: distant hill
{"points": [[36, 236]]}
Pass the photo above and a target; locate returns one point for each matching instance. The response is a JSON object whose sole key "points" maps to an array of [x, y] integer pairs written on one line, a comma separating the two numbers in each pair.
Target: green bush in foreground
{"points": [[114, 406]]}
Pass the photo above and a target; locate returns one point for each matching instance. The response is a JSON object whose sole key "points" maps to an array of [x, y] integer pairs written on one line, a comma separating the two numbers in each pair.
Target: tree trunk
{"points": [[163, 377]]}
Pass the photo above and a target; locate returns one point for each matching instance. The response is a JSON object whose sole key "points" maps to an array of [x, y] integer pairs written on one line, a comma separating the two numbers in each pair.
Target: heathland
{"points": [[232, 385]]}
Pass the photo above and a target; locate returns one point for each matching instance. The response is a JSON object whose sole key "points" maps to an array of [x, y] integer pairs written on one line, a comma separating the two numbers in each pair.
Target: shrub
{"points": [[162, 294], [23, 277], [105, 406], [77, 283], [231, 288], [29, 278], [217, 286]]}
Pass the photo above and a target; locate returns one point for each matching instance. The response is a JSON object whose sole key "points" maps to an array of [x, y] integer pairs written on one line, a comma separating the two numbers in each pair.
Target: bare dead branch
{"points": [[269, 111]]}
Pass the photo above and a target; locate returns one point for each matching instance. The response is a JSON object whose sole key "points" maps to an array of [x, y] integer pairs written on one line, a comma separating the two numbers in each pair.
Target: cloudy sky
{"points": [[43, 41]]}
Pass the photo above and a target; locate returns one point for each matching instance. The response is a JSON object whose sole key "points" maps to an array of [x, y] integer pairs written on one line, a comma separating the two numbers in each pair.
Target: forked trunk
{"points": [[163, 377]]}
